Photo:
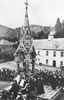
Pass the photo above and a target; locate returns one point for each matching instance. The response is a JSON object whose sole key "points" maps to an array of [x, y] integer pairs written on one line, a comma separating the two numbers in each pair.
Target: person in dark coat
{"points": [[53, 84], [15, 88], [32, 90], [40, 87]]}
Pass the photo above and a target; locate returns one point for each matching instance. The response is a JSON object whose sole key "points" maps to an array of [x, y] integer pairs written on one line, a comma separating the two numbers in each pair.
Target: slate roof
{"points": [[56, 44]]}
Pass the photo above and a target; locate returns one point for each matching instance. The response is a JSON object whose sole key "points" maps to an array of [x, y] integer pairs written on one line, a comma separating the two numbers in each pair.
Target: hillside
{"points": [[8, 33], [38, 32], [38, 28]]}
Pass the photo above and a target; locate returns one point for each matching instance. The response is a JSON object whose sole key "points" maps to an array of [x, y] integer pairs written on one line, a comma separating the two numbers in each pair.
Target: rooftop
{"points": [[57, 44]]}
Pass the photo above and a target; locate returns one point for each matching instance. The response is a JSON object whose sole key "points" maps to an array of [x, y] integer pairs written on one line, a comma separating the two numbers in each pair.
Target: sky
{"points": [[41, 12]]}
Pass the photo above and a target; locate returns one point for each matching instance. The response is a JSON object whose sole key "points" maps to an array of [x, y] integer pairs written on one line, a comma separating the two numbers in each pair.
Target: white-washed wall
{"points": [[50, 57]]}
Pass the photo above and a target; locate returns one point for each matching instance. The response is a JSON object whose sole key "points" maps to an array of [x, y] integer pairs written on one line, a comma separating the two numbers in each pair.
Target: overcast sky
{"points": [[41, 12]]}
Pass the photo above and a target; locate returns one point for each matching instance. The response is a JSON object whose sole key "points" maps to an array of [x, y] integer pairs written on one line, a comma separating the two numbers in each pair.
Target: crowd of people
{"points": [[51, 78], [34, 84], [7, 74]]}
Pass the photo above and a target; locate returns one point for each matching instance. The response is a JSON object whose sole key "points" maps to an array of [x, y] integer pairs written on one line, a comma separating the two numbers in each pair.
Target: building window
{"points": [[62, 54], [47, 53], [61, 63], [46, 61], [38, 52], [54, 53]]}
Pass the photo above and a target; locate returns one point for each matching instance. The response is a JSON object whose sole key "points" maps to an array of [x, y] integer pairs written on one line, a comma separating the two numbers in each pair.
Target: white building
{"points": [[50, 51]]}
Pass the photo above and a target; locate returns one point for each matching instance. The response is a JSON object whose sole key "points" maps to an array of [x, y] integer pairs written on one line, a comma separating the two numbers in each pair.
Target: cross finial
{"points": [[26, 23], [26, 3]]}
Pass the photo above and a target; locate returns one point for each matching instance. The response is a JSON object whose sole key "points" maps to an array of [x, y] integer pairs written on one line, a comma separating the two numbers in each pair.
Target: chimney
{"points": [[51, 35]]}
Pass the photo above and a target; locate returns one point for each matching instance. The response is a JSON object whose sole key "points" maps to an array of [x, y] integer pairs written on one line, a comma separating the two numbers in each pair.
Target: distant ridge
{"points": [[38, 31], [38, 28], [8, 33]]}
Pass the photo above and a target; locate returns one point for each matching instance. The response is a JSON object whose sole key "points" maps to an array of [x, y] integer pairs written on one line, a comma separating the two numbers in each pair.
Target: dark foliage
{"points": [[6, 57], [59, 34], [40, 35], [12, 39], [16, 45]]}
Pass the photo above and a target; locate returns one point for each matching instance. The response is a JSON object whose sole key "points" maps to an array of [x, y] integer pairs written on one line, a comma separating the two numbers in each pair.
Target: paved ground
{"points": [[10, 65], [13, 65], [4, 84], [46, 67]]}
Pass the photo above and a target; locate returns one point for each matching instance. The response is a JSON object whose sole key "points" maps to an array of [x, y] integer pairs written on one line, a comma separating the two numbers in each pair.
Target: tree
{"points": [[58, 25]]}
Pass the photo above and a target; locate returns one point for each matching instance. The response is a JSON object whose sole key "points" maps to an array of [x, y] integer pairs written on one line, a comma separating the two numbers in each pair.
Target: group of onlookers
{"points": [[50, 78], [7, 74], [34, 84]]}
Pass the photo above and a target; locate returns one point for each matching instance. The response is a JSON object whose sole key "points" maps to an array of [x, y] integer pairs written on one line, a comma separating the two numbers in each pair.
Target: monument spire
{"points": [[25, 52], [26, 21], [26, 3]]}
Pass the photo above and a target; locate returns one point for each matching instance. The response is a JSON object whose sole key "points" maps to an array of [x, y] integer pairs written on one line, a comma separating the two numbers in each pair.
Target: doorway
{"points": [[54, 63]]}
